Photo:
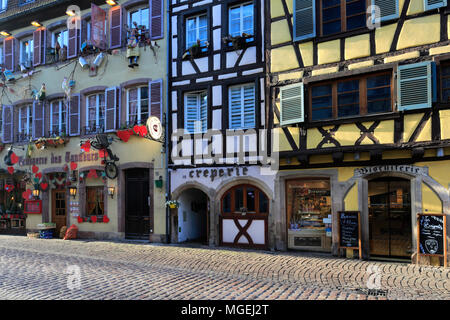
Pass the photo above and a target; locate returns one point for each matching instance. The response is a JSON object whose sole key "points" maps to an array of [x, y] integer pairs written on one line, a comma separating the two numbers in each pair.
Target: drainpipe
{"points": [[168, 21]]}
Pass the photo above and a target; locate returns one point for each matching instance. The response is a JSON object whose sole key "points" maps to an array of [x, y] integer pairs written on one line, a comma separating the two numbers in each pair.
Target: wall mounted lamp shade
{"points": [[70, 13], [73, 191], [111, 2], [36, 24], [36, 193], [5, 33], [111, 191]]}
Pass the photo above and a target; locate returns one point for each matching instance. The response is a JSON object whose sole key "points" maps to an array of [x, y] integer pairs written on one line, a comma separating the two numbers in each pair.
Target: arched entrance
{"points": [[390, 229], [192, 222], [243, 220]]}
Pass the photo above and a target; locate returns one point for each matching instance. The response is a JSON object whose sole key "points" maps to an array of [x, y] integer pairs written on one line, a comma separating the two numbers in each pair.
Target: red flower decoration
{"points": [[105, 219], [94, 219], [35, 168], [44, 186], [102, 153], [26, 194], [86, 146], [140, 130], [14, 158], [124, 135], [80, 219], [92, 174], [73, 166], [39, 175], [11, 170]]}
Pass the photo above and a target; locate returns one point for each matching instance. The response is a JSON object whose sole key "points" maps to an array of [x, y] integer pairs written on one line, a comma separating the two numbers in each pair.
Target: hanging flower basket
{"points": [[172, 204]]}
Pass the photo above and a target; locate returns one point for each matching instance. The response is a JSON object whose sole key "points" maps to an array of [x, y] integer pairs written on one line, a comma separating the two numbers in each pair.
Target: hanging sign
{"points": [[154, 128], [349, 224], [431, 235]]}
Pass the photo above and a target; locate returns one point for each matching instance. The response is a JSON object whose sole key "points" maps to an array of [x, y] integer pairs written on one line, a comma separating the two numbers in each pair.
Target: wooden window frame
{"points": [[253, 214], [100, 190], [362, 78], [440, 77], [343, 18]]}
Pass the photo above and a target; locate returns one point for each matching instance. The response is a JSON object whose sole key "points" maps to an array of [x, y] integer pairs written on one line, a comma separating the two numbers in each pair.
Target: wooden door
{"points": [[59, 209], [137, 209]]}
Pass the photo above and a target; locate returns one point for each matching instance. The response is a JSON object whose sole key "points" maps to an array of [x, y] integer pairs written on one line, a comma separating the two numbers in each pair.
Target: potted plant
{"points": [[238, 42], [172, 204], [195, 49]]}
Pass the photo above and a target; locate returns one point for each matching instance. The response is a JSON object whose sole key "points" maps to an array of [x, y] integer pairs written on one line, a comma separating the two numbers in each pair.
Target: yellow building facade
{"points": [[358, 114], [95, 99]]}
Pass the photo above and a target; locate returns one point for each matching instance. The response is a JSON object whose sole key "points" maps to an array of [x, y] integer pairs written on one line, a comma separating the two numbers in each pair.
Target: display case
{"points": [[309, 214]]}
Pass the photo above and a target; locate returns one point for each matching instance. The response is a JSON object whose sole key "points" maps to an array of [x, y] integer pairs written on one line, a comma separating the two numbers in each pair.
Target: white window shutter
{"points": [[292, 104], [235, 108], [191, 112], [249, 106], [389, 9], [433, 4], [203, 114], [414, 86]]}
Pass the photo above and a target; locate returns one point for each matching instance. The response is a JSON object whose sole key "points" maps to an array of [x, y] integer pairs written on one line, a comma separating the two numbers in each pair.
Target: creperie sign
{"points": [[218, 173]]}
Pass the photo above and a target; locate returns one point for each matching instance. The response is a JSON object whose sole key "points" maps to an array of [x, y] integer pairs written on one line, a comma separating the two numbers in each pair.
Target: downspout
{"points": [[168, 21]]}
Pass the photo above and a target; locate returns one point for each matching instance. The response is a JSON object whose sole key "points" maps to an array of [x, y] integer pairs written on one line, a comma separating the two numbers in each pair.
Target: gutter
{"points": [[168, 231]]}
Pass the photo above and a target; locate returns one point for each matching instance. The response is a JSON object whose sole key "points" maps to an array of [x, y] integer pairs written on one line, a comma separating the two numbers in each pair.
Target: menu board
{"points": [[349, 230], [33, 207], [431, 234]]}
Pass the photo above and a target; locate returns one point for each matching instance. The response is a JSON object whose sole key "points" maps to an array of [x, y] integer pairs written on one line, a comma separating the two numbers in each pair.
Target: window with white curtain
{"points": [[95, 113], [58, 117], [242, 106], [25, 122], [26, 52], [196, 112], [137, 102]]}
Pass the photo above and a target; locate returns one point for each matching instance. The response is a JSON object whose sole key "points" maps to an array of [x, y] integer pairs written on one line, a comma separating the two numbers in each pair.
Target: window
{"points": [[196, 29], [241, 20], [245, 198], [1, 55], [25, 122], [1, 125], [140, 16], [62, 37], [94, 201], [95, 111], [22, 2], [26, 52], [3, 4], [242, 106], [445, 83], [196, 112], [351, 97], [58, 117], [342, 15], [137, 111]]}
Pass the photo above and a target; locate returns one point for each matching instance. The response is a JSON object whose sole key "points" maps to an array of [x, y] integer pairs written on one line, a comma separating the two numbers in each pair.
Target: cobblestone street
{"points": [[37, 269]]}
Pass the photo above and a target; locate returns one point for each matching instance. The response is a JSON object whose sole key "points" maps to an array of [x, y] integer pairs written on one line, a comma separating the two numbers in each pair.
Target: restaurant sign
{"points": [[69, 157], [392, 168]]}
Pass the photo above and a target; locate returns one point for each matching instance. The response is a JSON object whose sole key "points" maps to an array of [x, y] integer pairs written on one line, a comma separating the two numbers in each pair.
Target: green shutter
{"points": [[292, 104], [414, 86]]}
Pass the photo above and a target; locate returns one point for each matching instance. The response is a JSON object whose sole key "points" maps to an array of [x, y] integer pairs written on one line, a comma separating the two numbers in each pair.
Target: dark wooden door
{"points": [[59, 209], [137, 209]]}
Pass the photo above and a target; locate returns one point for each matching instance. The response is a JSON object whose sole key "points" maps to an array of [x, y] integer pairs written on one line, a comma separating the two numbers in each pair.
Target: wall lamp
{"points": [[36, 24], [5, 34], [111, 191], [111, 2], [73, 191], [36, 193], [70, 13]]}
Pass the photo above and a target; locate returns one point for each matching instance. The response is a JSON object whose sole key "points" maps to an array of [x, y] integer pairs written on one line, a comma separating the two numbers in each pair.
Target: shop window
{"points": [[25, 123], [242, 106], [368, 94], [308, 203], [58, 117], [196, 112], [197, 31], [245, 198], [241, 20], [137, 111], [95, 113], [94, 202], [26, 52]]}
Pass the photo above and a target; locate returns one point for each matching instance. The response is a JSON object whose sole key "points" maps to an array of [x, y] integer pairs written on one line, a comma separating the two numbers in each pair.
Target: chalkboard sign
{"points": [[349, 230], [431, 235]]}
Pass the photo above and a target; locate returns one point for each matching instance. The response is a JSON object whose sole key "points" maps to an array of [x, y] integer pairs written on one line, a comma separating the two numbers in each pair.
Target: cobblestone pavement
{"points": [[37, 269]]}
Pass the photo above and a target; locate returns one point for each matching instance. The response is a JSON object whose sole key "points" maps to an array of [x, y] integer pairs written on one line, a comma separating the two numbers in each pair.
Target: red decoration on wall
{"points": [[125, 135], [26, 194], [86, 147], [73, 166], [94, 219], [39, 175], [44, 186], [92, 174], [80, 219], [35, 168], [9, 187], [11, 170], [14, 158], [105, 219], [140, 130], [102, 153]]}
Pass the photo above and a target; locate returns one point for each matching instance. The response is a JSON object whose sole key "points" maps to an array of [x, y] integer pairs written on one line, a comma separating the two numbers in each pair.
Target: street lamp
{"points": [[73, 191]]}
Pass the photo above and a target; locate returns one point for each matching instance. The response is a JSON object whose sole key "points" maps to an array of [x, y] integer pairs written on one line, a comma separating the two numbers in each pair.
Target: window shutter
{"points": [[249, 106], [235, 108], [389, 9], [292, 104], [38, 119], [111, 109], [38, 47], [8, 47], [98, 17], [191, 112], [414, 86], [433, 4], [72, 49], [115, 34], [155, 88], [203, 112], [156, 19], [74, 115], [7, 125], [304, 19]]}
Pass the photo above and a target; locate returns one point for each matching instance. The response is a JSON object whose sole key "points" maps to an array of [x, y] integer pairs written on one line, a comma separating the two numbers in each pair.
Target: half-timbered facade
{"points": [[217, 113], [69, 78], [359, 107]]}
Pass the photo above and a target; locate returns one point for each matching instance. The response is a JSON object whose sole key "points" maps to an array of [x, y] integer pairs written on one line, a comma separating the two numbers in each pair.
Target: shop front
{"points": [[388, 198], [223, 206]]}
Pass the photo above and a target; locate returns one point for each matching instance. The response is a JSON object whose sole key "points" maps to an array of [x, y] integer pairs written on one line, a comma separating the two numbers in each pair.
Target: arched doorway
{"points": [[390, 229], [243, 220], [192, 222]]}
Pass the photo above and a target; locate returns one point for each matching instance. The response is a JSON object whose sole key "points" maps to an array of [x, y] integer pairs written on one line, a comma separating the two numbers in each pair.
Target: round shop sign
{"points": [[154, 128]]}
